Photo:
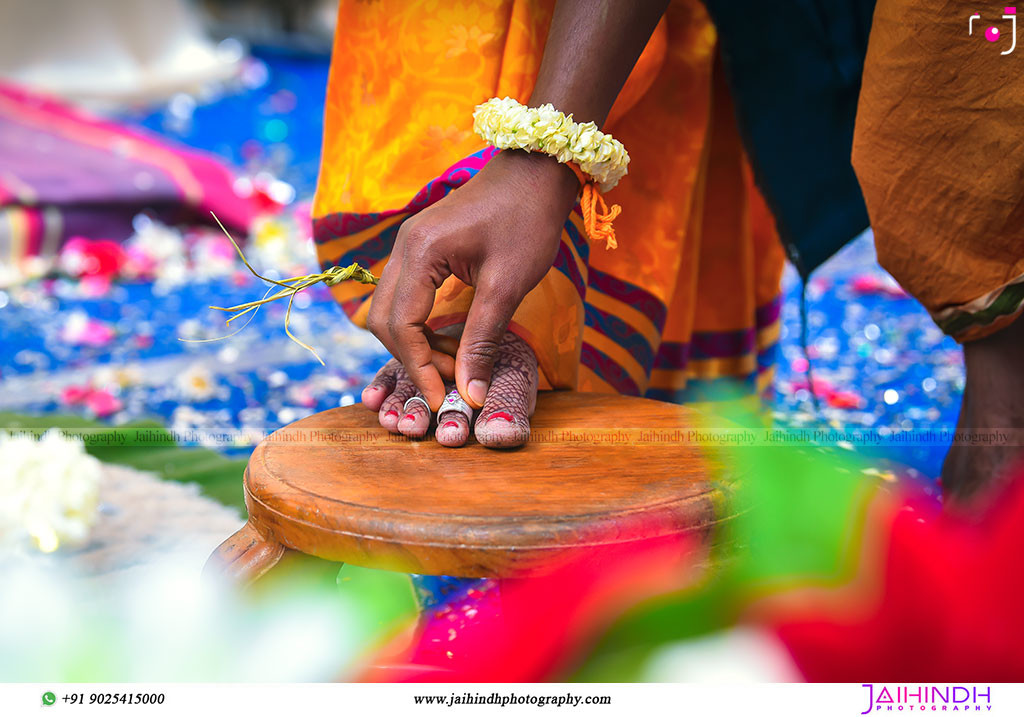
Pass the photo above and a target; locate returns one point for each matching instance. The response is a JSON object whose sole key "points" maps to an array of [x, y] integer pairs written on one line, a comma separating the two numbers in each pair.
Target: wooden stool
{"points": [[600, 469]]}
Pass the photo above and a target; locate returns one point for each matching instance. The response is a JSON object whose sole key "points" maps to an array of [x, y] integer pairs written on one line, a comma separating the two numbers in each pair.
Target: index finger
{"points": [[410, 308]]}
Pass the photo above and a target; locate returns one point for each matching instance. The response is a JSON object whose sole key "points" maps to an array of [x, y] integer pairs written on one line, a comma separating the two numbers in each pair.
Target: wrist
{"points": [[543, 171]]}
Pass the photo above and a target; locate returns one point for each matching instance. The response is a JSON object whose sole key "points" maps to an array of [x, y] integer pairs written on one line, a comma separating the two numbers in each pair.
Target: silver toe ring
{"points": [[414, 399], [453, 403]]}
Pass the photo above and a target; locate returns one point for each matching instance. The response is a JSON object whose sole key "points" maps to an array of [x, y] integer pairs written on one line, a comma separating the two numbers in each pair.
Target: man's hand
{"points": [[498, 233]]}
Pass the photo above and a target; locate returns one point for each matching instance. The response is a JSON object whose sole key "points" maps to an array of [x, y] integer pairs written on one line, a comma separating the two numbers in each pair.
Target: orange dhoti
{"points": [[938, 154]]}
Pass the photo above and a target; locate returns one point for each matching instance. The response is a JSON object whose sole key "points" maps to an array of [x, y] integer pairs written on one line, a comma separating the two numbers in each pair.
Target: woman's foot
{"points": [[991, 424], [503, 422]]}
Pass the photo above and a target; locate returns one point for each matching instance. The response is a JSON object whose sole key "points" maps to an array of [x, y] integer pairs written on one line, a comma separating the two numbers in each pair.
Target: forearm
{"points": [[591, 48]]}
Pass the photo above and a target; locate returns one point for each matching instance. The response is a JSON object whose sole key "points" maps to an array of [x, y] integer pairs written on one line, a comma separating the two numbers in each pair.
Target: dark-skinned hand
{"points": [[498, 233]]}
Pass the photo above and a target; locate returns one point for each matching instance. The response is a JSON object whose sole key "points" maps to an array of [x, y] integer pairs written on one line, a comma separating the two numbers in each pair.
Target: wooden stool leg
{"points": [[244, 557]]}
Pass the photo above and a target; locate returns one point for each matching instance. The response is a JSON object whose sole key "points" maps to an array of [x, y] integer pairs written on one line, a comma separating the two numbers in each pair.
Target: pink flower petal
{"points": [[73, 395], [103, 403]]}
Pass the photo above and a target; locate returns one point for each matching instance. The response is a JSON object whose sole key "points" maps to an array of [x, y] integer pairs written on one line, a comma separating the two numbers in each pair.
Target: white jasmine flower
{"points": [[49, 490], [507, 124], [196, 383]]}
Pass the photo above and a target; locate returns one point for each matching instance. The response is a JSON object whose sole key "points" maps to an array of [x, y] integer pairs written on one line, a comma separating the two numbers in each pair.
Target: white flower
{"points": [[116, 377], [196, 383], [48, 490], [158, 241], [586, 138], [507, 124]]}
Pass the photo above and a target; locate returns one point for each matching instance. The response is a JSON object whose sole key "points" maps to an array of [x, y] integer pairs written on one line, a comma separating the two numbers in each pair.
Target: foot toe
{"points": [[392, 408], [504, 420], [373, 397], [452, 429], [390, 414], [382, 385], [502, 429], [415, 420]]}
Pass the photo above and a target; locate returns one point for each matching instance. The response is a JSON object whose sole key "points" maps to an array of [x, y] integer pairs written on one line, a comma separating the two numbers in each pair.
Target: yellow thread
{"points": [[290, 287]]}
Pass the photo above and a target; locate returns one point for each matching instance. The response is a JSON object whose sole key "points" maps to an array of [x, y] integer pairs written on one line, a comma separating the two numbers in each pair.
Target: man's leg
{"points": [[993, 409], [938, 154]]}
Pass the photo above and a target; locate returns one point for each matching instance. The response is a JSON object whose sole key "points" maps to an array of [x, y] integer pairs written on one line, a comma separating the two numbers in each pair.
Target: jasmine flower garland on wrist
{"points": [[597, 159], [508, 124]]}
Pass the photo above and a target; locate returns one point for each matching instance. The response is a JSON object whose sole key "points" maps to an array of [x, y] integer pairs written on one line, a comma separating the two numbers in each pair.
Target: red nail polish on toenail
{"points": [[502, 414], [409, 416], [392, 412], [449, 424]]}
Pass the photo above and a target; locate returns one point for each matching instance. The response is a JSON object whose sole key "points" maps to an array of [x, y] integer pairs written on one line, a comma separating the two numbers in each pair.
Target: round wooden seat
{"points": [[599, 469]]}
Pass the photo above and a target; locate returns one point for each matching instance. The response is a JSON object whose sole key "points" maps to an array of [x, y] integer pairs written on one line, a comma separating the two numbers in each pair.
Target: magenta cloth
{"points": [[65, 172]]}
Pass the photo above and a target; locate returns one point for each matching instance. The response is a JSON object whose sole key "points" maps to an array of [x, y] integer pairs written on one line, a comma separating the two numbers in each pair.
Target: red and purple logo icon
{"points": [[992, 33]]}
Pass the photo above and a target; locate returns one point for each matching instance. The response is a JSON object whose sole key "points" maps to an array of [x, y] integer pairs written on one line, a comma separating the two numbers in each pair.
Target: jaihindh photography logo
{"points": [[927, 698]]}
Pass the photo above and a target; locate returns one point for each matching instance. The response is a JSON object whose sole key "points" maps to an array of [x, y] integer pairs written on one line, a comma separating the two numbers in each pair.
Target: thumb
{"points": [[486, 323]]}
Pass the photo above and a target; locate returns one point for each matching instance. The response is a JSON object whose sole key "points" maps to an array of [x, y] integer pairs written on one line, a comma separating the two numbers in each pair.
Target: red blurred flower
{"points": [[938, 601], [544, 624], [103, 258]]}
